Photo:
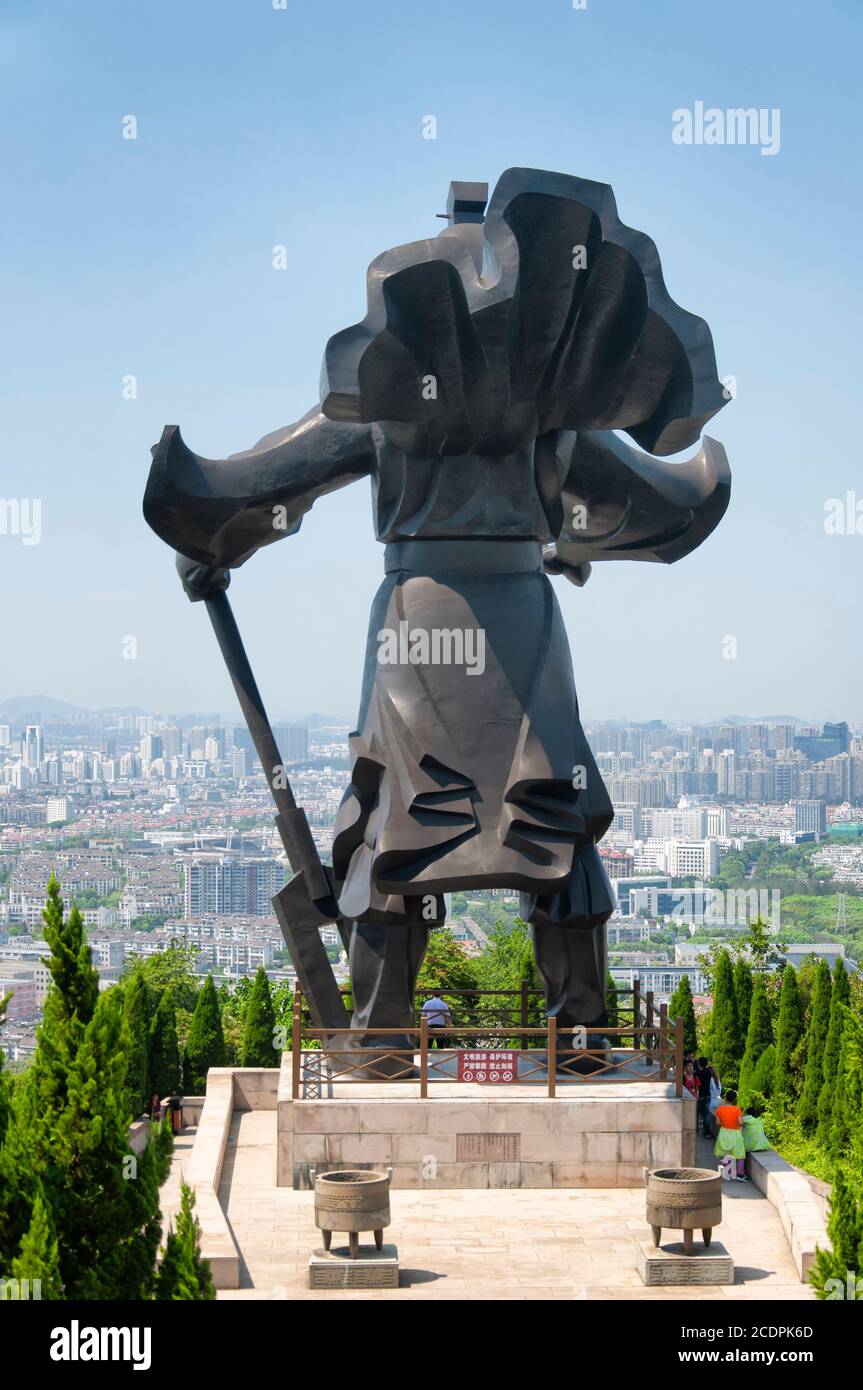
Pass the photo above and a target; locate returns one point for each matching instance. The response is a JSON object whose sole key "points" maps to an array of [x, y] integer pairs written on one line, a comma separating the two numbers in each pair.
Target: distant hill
{"points": [[32, 708], [35, 709]]}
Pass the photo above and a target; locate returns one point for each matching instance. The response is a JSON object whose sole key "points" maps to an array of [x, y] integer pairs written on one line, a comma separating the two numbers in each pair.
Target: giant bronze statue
{"points": [[481, 395]]}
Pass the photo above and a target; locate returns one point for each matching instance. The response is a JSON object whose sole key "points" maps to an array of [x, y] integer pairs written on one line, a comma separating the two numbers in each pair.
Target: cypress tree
{"points": [[9, 1179], [4, 1097], [759, 1036], [38, 1157], [258, 1049], [164, 1048], [140, 1255], [184, 1274], [840, 995], [743, 995], [681, 1006], [72, 1128], [760, 1078], [723, 1033], [819, 1019], [789, 1030], [848, 1087], [69, 1007], [104, 1215], [845, 1229], [611, 1007], [205, 1045], [136, 1012], [164, 1140], [38, 1260]]}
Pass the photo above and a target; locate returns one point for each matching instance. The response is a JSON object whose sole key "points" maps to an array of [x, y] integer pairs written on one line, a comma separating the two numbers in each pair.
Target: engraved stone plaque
{"points": [[495, 1148]]}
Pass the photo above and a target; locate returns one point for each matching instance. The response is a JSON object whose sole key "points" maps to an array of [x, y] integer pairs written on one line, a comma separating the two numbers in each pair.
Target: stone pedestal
{"points": [[372, 1269], [669, 1265], [487, 1136]]}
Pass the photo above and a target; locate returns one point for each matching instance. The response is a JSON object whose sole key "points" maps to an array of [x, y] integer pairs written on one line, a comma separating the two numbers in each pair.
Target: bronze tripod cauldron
{"points": [[352, 1200], [686, 1199]]}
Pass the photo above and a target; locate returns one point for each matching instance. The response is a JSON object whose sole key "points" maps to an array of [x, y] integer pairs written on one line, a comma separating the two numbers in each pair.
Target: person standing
{"points": [[729, 1140], [705, 1075], [690, 1078], [437, 1014]]}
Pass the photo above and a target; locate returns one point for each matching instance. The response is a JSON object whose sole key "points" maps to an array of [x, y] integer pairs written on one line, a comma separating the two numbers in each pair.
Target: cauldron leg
{"points": [[707, 1232], [687, 1242], [379, 1239], [353, 1244], [657, 1234], [328, 1239]]}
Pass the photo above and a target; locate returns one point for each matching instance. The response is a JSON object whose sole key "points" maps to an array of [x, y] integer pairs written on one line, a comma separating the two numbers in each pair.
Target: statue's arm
{"points": [[622, 504], [218, 512]]}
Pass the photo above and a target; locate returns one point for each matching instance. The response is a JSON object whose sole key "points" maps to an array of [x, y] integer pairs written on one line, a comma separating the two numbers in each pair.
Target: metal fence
{"points": [[650, 1048]]}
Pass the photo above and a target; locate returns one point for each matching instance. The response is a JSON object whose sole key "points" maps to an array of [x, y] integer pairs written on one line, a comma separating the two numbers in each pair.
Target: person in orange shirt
{"points": [[729, 1140]]}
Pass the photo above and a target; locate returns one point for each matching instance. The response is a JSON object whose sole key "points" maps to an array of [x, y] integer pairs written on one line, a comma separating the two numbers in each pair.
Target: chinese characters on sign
{"points": [[498, 1065]]}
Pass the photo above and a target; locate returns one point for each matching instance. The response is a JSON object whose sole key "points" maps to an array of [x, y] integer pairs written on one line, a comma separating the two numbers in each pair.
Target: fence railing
{"points": [[547, 1057], [481, 1006]]}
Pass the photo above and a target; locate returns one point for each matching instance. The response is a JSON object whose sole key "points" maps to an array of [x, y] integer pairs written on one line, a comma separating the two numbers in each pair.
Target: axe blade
{"points": [[300, 922]]}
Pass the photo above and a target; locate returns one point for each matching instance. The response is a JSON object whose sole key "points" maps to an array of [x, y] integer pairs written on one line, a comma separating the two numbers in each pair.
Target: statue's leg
{"points": [[571, 960], [385, 962], [569, 942]]}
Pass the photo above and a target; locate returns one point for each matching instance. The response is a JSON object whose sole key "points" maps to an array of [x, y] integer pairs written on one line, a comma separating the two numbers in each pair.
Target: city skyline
{"points": [[30, 706]]}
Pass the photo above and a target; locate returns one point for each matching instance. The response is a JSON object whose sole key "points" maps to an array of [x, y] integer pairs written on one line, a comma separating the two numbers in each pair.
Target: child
{"points": [[754, 1138], [729, 1140]]}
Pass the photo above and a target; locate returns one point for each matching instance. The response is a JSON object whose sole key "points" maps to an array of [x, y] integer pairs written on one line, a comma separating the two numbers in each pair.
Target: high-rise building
{"points": [[292, 741], [693, 860], [681, 823], [53, 770], [829, 743], [841, 733], [5, 736], [758, 738], [231, 886], [172, 741], [34, 747], [810, 818], [727, 769]]}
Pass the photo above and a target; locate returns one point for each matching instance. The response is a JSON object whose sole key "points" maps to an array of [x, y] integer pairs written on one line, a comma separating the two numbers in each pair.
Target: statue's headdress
{"points": [[549, 314]]}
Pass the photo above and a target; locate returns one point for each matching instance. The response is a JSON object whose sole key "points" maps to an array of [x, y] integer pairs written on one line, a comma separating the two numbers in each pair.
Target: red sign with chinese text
{"points": [[496, 1066]]}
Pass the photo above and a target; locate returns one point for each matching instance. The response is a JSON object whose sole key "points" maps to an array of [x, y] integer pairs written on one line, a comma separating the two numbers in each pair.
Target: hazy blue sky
{"points": [[303, 126]]}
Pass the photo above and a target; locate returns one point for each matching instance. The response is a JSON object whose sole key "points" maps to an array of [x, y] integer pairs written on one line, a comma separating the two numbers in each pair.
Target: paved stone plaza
{"points": [[506, 1243]]}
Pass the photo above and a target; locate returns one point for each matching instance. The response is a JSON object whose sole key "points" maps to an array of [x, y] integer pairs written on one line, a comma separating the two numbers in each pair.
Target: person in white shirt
{"points": [[437, 1014]]}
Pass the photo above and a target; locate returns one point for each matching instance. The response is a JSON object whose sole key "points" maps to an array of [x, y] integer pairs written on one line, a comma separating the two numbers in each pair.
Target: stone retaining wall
{"points": [[799, 1209], [489, 1140]]}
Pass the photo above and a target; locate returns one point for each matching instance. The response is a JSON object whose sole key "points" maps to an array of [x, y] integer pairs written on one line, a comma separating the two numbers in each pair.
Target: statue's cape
{"points": [[549, 315]]}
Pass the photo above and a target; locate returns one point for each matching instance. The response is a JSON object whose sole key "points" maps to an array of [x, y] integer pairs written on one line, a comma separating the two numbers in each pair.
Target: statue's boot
{"points": [[385, 962], [569, 942]]}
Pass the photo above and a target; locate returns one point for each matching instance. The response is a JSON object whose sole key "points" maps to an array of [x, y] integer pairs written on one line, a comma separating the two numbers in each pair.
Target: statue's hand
{"points": [[201, 581], [552, 563]]}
